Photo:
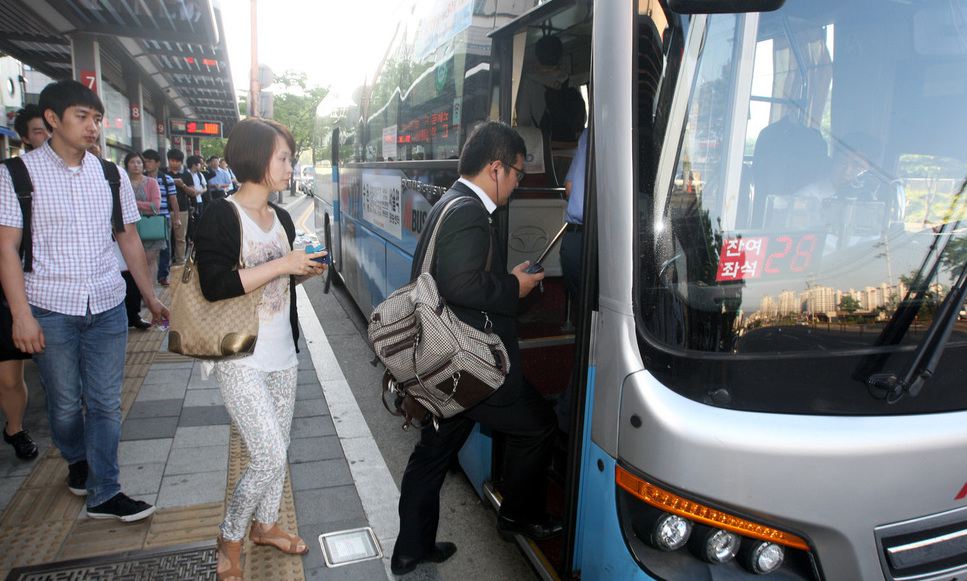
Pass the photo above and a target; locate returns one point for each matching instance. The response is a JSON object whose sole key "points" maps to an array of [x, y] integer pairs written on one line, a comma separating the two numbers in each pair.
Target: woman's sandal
{"points": [[232, 550], [278, 538]]}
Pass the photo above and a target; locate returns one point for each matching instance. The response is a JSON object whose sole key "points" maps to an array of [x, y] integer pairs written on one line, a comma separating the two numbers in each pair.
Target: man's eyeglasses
{"points": [[521, 174]]}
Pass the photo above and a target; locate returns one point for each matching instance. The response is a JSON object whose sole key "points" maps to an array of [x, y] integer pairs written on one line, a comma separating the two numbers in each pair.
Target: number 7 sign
{"points": [[89, 79]]}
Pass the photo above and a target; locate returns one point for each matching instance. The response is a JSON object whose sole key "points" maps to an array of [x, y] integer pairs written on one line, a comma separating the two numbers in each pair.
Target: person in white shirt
{"points": [[199, 185], [258, 390], [67, 309]]}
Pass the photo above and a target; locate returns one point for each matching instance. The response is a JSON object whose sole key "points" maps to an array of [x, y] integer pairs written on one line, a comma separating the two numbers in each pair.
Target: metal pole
{"points": [[254, 87]]}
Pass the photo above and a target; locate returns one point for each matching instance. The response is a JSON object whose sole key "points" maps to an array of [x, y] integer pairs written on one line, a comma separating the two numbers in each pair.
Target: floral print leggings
{"points": [[261, 405]]}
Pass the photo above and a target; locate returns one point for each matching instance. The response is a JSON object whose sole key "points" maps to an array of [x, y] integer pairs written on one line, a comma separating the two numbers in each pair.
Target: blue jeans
{"points": [[164, 262], [82, 367], [164, 255]]}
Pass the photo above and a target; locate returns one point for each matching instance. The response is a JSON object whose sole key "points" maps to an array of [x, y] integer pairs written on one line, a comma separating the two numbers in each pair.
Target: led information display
{"points": [[769, 256], [196, 128]]}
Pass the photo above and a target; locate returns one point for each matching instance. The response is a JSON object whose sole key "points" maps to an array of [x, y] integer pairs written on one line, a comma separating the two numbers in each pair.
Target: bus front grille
{"points": [[931, 548]]}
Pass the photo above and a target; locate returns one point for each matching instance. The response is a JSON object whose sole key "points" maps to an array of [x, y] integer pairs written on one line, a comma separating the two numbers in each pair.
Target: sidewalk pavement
{"points": [[178, 451]]}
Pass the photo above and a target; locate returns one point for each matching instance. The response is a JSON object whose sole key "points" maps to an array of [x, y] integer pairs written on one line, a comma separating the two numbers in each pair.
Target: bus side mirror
{"points": [[723, 6]]}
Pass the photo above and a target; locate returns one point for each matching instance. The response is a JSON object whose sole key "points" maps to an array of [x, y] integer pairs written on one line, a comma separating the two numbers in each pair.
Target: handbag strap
{"points": [[241, 233], [190, 263]]}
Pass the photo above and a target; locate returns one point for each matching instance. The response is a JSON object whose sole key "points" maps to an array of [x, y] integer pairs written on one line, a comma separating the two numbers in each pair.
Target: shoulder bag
{"points": [[151, 228], [430, 355], [215, 330]]}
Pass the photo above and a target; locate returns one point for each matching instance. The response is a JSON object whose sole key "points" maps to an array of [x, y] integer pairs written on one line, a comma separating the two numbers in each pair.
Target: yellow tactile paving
{"points": [[31, 544], [139, 358], [50, 471], [166, 357], [184, 525], [135, 371], [265, 562], [43, 522], [42, 505], [91, 537]]}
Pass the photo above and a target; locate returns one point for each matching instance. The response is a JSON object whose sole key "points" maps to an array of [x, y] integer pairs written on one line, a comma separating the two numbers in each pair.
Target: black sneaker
{"points": [[23, 446], [122, 508], [77, 478]]}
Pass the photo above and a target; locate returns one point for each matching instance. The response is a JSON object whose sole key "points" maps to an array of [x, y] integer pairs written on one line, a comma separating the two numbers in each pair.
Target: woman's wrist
{"points": [[278, 267]]}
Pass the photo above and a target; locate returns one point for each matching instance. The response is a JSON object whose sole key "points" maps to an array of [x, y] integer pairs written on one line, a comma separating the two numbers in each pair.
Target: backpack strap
{"points": [[113, 177], [24, 188]]}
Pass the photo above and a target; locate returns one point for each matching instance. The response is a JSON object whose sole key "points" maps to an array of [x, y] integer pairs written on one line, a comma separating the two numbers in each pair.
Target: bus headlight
{"points": [[762, 557], [670, 532], [714, 545]]}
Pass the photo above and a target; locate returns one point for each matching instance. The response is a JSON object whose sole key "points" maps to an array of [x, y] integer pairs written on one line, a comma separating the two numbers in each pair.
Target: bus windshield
{"points": [[817, 202], [815, 206]]}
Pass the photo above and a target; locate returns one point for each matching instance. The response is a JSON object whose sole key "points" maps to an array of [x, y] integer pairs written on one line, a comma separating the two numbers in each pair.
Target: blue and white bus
{"points": [[770, 368]]}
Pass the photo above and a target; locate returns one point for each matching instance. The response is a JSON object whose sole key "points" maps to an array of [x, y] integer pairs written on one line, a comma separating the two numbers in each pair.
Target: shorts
{"points": [[7, 351]]}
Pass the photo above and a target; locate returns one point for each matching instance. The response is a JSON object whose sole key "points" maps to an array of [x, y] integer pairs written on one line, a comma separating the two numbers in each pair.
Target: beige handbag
{"points": [[218, 330]]}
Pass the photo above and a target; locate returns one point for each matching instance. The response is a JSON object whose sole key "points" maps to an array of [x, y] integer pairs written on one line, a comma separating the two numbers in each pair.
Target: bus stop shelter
{"points": [[151, 61]]}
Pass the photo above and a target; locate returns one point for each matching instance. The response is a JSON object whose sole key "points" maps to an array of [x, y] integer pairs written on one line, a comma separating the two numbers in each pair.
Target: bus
{"points": [[768, 366]]}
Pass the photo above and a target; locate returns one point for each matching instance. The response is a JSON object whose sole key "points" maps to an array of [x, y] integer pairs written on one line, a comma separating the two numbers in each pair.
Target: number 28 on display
{"points": [[778, 255]]}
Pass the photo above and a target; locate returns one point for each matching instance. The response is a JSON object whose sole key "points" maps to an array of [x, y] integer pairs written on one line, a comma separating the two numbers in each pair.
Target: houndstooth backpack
{"points": [[431, 355]]}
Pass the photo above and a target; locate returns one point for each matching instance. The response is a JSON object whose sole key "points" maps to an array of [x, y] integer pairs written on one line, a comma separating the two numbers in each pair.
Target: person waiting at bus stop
{"points": [[169, 209], [490, 169], [67, 310], [259, 389], [29, 124], [182, 179]]}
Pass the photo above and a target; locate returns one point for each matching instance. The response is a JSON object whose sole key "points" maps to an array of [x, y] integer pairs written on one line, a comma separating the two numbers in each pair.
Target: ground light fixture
{"points": [[761, 557]]}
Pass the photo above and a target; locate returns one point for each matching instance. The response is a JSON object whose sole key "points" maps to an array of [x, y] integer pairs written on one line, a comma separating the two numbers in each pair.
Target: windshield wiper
{"points": [[892, 387], [906, 312]]}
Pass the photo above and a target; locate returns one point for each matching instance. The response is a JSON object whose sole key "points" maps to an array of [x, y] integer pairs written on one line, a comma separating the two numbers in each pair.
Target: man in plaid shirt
{"points": [[68, 311]]}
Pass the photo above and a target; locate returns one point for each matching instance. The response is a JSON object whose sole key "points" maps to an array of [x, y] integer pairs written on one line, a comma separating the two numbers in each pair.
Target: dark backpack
{"points": [[24, 189], [564, 113]]}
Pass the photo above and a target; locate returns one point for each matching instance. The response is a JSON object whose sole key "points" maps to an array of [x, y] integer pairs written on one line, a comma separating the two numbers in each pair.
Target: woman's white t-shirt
{"points": [[274, 349]]}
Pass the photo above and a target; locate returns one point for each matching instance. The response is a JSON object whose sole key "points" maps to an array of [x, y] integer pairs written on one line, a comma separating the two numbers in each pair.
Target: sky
{"points": [[320, 37]]}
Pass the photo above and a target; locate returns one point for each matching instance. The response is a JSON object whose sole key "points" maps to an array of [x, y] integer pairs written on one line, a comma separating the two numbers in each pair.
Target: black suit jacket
{"points": [[465, 241]]}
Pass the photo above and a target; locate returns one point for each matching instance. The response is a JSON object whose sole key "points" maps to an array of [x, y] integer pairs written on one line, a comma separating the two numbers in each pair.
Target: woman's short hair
{"points": [[130, 156], [251, 145]]}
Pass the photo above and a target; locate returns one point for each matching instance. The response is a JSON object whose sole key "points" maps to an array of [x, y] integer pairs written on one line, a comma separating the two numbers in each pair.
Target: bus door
{"points": [[541, 79]]}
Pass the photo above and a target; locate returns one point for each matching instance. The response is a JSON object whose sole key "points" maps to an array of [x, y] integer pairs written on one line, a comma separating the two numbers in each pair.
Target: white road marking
{"points": [[374, 483]]}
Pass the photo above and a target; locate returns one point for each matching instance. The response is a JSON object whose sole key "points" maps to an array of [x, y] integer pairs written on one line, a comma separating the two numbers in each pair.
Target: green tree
{"points": [[213, 146], [295, 105], [849, 304], [955, 255]]}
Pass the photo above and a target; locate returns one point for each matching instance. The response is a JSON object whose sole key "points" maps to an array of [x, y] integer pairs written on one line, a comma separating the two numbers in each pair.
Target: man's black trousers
{"points": [[528, 425]]}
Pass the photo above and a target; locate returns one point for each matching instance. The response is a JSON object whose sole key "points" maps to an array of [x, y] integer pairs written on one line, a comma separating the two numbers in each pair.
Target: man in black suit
{"points": [[490, 168]]}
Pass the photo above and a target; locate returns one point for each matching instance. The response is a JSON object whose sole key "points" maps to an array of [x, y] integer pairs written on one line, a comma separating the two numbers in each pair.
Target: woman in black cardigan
{"points": [[258, 390]]}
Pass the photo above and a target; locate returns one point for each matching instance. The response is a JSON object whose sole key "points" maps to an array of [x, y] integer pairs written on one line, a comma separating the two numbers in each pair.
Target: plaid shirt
{"points": [[74, 267]]}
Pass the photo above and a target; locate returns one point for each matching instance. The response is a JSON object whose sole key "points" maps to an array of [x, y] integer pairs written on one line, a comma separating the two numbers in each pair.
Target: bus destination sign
{"points": [[196, 128]]}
